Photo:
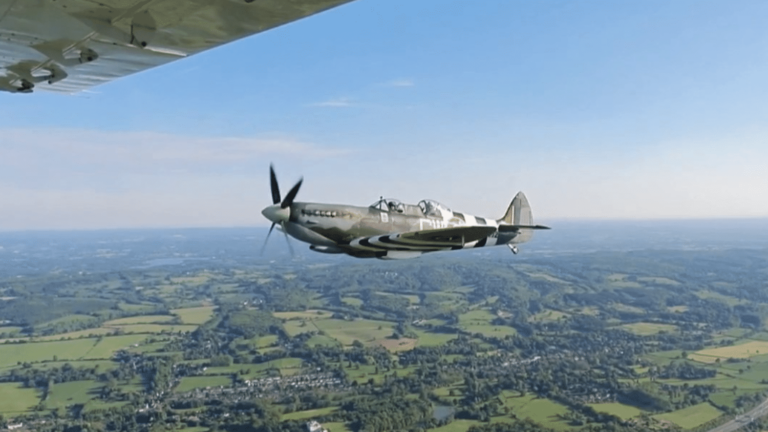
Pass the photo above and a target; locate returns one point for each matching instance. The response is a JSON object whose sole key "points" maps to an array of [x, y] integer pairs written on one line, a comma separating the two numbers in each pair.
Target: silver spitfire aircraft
{"points": [[390, 229]]}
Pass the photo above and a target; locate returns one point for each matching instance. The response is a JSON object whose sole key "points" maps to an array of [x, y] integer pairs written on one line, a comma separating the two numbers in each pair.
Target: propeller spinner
{"points": [[280, 210]]}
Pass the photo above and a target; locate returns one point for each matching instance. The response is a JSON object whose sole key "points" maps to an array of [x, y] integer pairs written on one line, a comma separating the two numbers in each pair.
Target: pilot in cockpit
{"points": [[396, 206]]}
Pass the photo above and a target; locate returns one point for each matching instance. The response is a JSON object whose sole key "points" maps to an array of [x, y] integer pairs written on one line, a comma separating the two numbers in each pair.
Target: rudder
{"points": [[518, 212]]}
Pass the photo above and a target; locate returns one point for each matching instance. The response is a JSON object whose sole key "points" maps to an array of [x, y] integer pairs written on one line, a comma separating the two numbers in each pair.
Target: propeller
{"points": [[275, 212]]}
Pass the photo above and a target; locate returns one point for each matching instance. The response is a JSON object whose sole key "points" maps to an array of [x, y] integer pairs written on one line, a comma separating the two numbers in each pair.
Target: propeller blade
{"points": [[273, 183], [267, 239], [291, 195], [288, 240]]}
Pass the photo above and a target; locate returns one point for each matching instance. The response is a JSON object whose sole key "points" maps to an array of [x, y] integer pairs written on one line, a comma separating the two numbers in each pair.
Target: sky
{"points": [[596, 110]]}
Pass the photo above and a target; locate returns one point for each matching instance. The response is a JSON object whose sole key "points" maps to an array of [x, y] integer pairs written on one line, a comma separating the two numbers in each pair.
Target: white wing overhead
{"points": [[70, 45]]}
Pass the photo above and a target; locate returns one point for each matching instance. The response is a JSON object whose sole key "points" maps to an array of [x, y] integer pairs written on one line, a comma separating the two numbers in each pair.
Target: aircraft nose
{"points": [[276, 214]]}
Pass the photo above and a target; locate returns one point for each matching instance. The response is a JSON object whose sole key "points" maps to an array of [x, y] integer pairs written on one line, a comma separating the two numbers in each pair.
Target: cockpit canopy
{"points": [[390, 205], [433, 208], [428, 208]]}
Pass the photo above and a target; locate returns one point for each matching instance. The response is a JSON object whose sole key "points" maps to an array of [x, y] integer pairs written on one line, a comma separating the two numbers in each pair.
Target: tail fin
{"points": [[519, 211], [518, 216]]}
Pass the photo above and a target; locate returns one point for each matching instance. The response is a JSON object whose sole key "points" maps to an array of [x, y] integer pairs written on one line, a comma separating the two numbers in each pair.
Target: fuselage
{"points": [[334, 228]]}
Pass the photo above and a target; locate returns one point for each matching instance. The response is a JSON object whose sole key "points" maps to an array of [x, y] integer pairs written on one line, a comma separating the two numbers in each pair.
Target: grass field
{"points": [[16, 399], [265, 341], [457, 426], [548, 316], [198, 315], [730, 301], [191, 383], [689, 418], [624, 412], [144, 319], [307, 314], [156, 328], [108, 345], [286, 366], [395, 345], [427, 339], [336, 427], [647, 329], [297, 327], [346, 332], [542, 411], [101, 331], [102, 365], [69, 319], [479, 321], [310, 414], [69, 393], [745, 350], [475, 317], [321, 340], [352, 301], [10, 354]]}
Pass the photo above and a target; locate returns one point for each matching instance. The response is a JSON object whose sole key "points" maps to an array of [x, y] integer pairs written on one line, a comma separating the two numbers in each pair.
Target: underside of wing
{"points": [[70, 45], [426, 240]]}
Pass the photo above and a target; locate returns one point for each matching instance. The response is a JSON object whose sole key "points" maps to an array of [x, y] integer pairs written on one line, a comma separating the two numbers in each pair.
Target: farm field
{"points": [[624, 412], [71, 393], [744, 350], [309, 314], [197, 315], [107, 346], [542, 411], [309, 414], [11, 354], [191, 383], [692, 416], [16, 399], [143, 319], [363, 330], [156, 328], [457, 426], [648, 329]]}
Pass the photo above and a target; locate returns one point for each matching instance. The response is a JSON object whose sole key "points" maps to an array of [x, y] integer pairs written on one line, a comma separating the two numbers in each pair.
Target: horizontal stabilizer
{"points": [[515, 228]]}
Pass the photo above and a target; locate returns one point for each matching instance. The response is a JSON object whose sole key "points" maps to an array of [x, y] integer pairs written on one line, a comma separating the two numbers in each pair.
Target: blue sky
{"points": [[596, 109]]}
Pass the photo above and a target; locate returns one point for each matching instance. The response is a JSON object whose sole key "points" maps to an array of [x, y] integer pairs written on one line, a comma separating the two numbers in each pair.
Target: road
{"points": [[743, 419]]}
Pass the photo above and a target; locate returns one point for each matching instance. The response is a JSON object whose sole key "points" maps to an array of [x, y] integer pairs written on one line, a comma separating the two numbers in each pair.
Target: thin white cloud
{"points": [[334, 103], [31, 147], [402, 82]]}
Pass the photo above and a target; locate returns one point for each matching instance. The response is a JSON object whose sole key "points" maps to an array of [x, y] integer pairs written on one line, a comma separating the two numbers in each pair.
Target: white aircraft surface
{"points": [[70, 45]]}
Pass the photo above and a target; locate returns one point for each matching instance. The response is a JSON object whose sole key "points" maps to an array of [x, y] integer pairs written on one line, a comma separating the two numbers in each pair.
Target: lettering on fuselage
{"points": [[433, 224]]}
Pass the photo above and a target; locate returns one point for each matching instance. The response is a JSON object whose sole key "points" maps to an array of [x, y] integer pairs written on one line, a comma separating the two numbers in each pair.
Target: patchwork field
{"points": [[648, 329], [346, 332], [11, 354], [624, 412], [70, 393], [744, 350], [16, 399], [543, 411], [144, 319], [191, 383], [429, 339], [198, 315], [307, 314], [479, 321], [689, 418], [457, 426], [309, 414]]}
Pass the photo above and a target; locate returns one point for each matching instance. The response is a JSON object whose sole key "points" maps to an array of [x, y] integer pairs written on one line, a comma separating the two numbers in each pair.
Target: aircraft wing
{"points": [[425, 240], [71, 45]]}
